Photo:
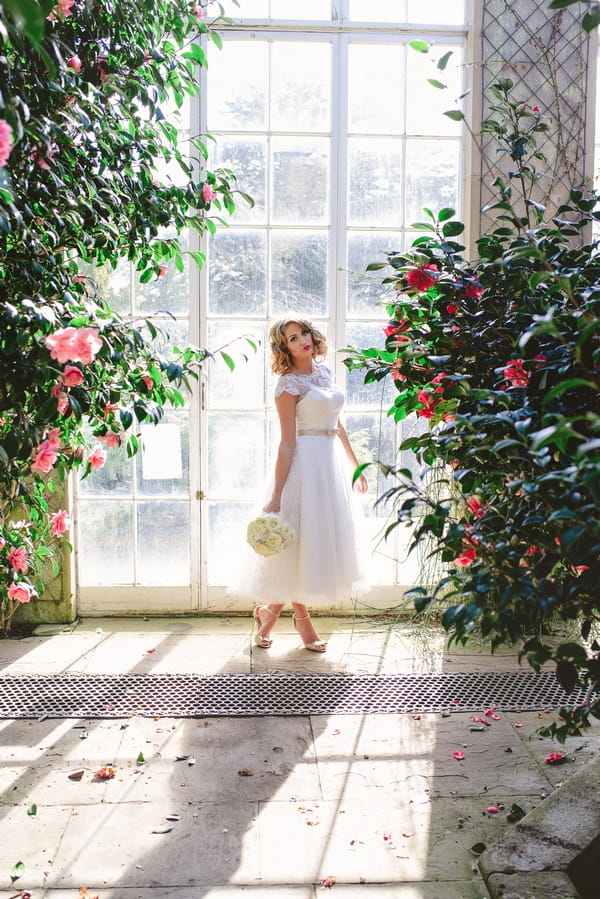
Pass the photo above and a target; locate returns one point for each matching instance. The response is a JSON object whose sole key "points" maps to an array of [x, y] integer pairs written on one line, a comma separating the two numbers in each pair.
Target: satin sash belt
{"points": [[318, 432]]}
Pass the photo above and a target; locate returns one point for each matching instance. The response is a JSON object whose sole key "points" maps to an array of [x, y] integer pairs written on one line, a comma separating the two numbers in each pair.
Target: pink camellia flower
{"points": [[110, 439], [429, 401], [197, 11], [418, 277], [53, 438], [466, 557], [397, 375], [59, 523], [17, 559], [476, 506], [44, 458], [208, 193], [2, 543], [97, 457], [5, 142], [459, 756], [61, 10], [536, 110], [162, 270], [74, 345], [515, 374], [21, 592], [62, 403], [148, 382], [74, 63], [72, 376]]}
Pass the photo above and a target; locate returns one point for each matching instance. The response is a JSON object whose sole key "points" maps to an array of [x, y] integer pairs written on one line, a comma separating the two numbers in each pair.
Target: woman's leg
{"points": [[266, 619], [306, 629]]}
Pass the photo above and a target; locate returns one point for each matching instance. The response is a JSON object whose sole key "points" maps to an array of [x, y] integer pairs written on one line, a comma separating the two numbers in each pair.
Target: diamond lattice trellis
{"points": [[546, 55]]}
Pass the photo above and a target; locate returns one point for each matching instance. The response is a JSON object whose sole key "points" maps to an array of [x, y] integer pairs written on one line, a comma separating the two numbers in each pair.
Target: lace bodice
{"points": [[320, 399], [299, 385]]}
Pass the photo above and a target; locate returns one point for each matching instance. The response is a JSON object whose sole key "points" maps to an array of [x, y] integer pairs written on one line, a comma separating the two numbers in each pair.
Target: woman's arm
{"points": [[286, 408], [361, 484]]}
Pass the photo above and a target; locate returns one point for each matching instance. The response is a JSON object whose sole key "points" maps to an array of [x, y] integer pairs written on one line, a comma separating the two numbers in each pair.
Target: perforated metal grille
{"points": [[247, 695]]}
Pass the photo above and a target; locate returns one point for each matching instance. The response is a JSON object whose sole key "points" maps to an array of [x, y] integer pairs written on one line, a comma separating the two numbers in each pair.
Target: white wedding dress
{"points": [[322, 566]]}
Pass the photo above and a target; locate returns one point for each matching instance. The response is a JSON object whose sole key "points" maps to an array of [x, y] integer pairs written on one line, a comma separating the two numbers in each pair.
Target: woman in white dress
{"points": [[312, 490]]}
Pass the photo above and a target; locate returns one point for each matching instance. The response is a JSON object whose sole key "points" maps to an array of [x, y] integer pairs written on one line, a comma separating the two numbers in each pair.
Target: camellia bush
{"points": [[501, 358], [88, 95]]}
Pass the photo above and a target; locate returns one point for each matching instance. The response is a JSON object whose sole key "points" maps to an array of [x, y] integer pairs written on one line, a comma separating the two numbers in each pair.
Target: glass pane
{"points": [[364, 288], [237, 94], [301, 92], [243, 387], [227, 523], [164, 543], [299, 272], [380, 394], [163, 467], [432, 169], [436, 12], [114, 285], [237, 278], [300, 180], [377, 10], [236, 453], [247, 157], [246, 9], [113, 479], [301, 9], [376, 97], [105, 542], [169, 293], [373, 439], [426, 104], [375, 181]]}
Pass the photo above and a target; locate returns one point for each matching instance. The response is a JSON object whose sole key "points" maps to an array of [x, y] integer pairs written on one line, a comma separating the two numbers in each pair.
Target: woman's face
{"points": [[298, 341]]}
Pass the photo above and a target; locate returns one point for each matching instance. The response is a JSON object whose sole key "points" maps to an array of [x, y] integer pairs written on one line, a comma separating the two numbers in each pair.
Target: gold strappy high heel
{"points": [[263, 642], [316, 645]]}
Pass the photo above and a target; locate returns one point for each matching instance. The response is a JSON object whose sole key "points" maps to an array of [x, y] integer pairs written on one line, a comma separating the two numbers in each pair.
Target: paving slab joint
{"points": [[559, 837]]}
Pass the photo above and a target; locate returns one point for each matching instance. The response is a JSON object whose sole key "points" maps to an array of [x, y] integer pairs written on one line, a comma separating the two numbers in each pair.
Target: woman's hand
{"points": [[272, 506], [361, 484]]}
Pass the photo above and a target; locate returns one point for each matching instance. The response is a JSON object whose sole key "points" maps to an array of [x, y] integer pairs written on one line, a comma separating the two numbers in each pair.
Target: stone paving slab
{"points": [[450, 890]]}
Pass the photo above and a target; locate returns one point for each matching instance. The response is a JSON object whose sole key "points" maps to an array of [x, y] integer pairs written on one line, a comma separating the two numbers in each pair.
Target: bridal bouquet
{"points": [[268, 535]]}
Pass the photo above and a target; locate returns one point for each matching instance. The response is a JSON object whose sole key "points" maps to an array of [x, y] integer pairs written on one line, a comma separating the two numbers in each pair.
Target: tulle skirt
{"points": [[323, 565]]}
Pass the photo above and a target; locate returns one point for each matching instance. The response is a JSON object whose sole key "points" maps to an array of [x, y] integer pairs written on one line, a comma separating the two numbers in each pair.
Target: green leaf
{"points": [[32, 810], [455, 114], [591, 19], [228, 360], [445, 214], [437, 84], [216, 39], [17, 871], [452, 229], [443, 61], [419, 46], [140, 759], [478, 848]]}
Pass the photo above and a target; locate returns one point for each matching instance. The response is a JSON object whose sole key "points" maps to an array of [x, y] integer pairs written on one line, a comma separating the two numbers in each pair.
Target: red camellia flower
{"points": [[515, 374], [418, 277], [429, 401], [74, 63], [466, 557], [476, 506], [396, 328], [452, 308], [555, 758], [473, 291]]}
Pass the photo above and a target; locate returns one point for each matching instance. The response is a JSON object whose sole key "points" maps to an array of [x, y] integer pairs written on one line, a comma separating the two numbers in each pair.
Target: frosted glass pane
{"points": [[236, 453], [373, 438], [113, 284], [170, 457], [377, 11], [164, 544], [365, 288], [300, 180], [378, 395], [237, 278], [375, 182], [237, 93], [167, 293], [301, 9], [426, 104], [247, 157], [299, 273], [375, 88], [113, 479], [105, 542], [436, 12], [432, 169], [243, 387], [227, 525], [246, 9], [301, 79]]}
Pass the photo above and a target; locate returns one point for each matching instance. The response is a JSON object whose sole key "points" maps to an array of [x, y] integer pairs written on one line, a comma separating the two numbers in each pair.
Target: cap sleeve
{"points": [[288, 384]]}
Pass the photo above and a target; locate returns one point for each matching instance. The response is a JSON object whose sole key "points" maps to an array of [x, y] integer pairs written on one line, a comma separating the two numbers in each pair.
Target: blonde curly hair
{"points": [[281, 360]]}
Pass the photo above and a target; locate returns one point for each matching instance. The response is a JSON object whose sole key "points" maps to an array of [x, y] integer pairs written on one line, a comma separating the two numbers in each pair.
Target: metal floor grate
{"points": [[248, 695]]}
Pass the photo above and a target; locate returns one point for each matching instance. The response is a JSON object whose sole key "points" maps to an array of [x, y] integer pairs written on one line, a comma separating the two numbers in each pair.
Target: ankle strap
{"points": [[305, 618]]}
